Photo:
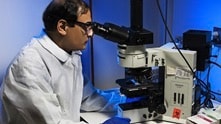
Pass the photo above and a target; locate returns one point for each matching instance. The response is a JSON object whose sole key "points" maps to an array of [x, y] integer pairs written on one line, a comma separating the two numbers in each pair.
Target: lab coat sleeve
{"points": [[28, 94], [100, 100]]}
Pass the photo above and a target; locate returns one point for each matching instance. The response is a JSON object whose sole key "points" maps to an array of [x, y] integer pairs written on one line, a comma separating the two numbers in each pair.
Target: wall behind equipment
{"points": [[106, 69], [22, 19], [200, 15]]}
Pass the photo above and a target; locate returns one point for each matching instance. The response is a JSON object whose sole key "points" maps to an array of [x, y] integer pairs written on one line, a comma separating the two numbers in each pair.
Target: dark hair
{"points": [[68, 10]]}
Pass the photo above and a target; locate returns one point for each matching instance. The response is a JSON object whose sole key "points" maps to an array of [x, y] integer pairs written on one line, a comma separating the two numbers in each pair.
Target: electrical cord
{"points": [[215, 56], [211, 62], [207, 101]]}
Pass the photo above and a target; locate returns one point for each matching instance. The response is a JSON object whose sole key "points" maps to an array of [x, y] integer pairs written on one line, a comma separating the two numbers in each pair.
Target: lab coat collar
{"points": [[59, 53]]}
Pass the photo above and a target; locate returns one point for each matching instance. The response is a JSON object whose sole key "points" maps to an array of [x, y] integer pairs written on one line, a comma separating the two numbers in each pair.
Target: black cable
{"points": [[171, 37], [165, 33], [215, 56], [208, 73], [210, 94], [215, 93], [207, 101], [202, 83], [211, 62]]}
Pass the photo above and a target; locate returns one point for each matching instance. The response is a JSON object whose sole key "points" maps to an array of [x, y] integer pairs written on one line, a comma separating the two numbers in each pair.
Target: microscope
{"points": [[157, 80]]}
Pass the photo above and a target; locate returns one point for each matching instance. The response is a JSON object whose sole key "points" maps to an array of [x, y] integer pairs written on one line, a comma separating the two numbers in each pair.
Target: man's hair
{"points": [[68, 10]]}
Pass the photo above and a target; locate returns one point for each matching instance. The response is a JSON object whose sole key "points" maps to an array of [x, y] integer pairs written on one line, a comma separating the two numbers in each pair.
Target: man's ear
{"points": [[62, 26]]}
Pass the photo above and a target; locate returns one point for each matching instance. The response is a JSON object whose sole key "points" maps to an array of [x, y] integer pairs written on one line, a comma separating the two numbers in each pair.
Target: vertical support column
{"points": [[136, 16]]}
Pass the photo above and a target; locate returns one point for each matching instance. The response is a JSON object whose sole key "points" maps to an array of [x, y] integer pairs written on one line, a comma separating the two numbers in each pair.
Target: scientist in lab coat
{"points": [[44, 84]]}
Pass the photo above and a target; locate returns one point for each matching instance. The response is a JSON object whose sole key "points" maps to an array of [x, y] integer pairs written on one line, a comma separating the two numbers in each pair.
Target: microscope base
{"points": [[137, 114]]}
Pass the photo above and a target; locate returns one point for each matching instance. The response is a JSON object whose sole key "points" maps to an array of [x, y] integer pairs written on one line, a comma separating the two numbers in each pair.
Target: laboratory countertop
{"points": [[99, 118]]}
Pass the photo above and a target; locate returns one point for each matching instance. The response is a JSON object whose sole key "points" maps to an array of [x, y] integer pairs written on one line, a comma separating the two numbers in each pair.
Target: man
{"points": [[44, 84]]}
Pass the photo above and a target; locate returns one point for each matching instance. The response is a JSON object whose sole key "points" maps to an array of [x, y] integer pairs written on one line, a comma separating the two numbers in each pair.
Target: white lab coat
{"points": [[44, 85]]}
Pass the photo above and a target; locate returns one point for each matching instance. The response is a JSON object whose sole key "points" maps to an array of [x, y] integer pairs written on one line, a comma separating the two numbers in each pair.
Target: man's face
{"points": [[77, 36]]}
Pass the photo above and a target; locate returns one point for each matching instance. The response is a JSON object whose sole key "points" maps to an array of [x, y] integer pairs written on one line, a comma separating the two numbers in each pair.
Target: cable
{"points": [[214, 56], [165, 32], [207, 101], [173, 41], [211, 62]]}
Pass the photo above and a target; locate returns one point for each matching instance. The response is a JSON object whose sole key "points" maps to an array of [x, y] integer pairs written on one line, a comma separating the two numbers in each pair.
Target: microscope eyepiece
{"points": [[111, 32], [122, 35]]}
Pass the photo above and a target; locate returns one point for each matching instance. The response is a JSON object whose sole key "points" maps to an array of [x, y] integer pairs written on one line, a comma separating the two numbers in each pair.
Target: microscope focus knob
{"points": [[161, 109]]}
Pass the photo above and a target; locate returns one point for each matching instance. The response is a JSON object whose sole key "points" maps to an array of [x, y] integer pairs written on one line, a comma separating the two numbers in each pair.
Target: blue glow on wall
{"points": [[20, 20], [106, 68], [19, 23], [201, 15]]}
